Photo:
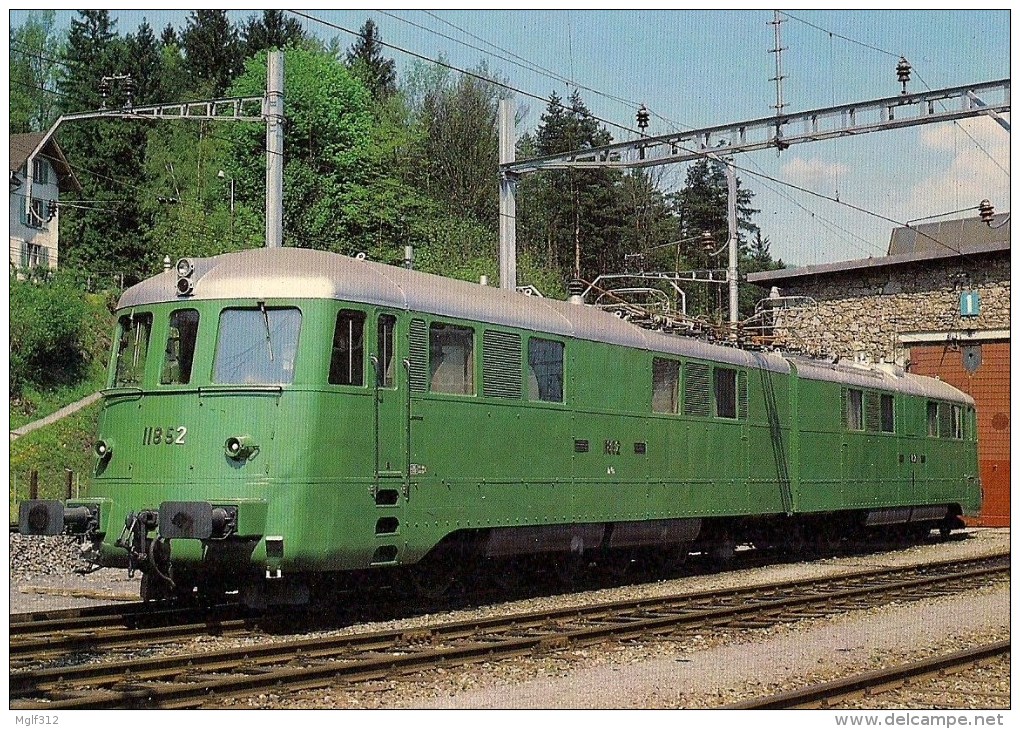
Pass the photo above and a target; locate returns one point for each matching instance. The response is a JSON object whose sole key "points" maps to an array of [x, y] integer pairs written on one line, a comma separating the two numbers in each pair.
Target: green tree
{"points": [[338, 193], [212, 50], [573, 217], [458, 149], [272, 30], [105, 155], [365, 58], [33, 62], [49, 332]]}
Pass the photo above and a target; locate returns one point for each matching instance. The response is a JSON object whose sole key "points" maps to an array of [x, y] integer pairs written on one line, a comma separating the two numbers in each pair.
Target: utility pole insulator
{"points": [[986, 211], [643, 118], [903, 73]]}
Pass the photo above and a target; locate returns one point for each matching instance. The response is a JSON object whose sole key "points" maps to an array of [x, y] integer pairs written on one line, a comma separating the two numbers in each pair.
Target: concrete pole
{"points": [[507, 201], [274, 150], [734, 237]]}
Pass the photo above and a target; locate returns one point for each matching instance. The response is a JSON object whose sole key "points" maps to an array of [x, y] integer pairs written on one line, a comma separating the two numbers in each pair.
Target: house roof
{"points": [[952, 239], [28, 146], [949, 235]]}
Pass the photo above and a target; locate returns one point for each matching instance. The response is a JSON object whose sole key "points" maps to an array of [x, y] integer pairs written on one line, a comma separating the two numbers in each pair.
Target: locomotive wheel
{"points": [[568, 568], [154, 588], [617, 563], [723, 552], [668, 560]]}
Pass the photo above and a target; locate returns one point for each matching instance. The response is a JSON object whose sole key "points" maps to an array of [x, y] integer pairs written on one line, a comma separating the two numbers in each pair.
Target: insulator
{"points": [[643, 118], [51, 210], [986, 211], [903, 72]]}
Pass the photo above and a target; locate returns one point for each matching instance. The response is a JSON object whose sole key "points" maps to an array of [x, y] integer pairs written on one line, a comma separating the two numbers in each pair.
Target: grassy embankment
{"points": [[66, 444]]}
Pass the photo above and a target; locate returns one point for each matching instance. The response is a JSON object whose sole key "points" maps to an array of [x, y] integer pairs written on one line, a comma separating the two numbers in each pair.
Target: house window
{"points": [[451, 359], [35, 216], [545, 370], [180, 347], [34, 255], [665, 385], [725, 393], [347, 364], [40, 172], [854, 410], [888, 414]]}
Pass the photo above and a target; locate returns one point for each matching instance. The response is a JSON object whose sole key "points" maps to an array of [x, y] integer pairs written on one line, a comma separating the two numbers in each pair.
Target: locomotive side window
{"points": [[451, 359], [945, 421], [888, 414], [725, 381], [132, 348], [384, 337], [933, 419], [180, 347], [957, 416], [347, 363], [855, 410], [665, 385], [545, 370], [257, 346]]}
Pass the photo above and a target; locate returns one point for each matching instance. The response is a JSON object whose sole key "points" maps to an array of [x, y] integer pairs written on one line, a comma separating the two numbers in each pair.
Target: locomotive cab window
{"points": [[665, 385], [132, 348], [725, 381], [180, 347], [855, 410], [451, 359], [257, 346], [545, 370], [347, 363], [385, 330]]}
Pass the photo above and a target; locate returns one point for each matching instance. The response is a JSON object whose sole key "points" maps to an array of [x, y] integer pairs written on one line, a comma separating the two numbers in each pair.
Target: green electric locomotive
{"points": [[279, 415]]}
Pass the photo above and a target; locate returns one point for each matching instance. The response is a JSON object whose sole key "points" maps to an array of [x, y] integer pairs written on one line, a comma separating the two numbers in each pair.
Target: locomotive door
{"points": [[390, 395]]}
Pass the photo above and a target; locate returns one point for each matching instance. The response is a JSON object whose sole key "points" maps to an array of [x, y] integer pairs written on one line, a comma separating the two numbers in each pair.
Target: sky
{"points": [[703, 68]]}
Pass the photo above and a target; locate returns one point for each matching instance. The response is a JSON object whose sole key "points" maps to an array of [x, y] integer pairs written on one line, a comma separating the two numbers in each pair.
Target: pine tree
{"points": [[365, 58], [106, 155], [169, 36], [145, 60], [273, 30], [212, 50]]}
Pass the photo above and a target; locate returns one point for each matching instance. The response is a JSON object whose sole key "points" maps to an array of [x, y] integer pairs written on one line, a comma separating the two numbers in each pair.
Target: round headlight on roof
{"points": [[185, 268]]}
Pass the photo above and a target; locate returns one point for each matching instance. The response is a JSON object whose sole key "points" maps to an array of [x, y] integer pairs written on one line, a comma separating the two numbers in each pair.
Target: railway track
{"points": [[869, 683], [202, 678], [49, 635]]}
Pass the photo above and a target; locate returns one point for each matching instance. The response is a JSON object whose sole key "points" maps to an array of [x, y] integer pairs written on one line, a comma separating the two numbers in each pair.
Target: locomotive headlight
{"points": [[102, 449], [184, 286], [238, 447], [185, 268]]}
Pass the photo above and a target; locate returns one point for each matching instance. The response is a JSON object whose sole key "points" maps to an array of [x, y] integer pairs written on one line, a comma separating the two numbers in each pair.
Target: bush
{"points": [[53, 336]]}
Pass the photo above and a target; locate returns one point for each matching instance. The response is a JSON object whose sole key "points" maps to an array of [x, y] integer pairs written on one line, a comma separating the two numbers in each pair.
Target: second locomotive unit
{"points": [[277, 416]]}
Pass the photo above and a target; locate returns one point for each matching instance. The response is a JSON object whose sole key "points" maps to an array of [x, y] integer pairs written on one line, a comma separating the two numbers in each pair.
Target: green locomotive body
{"points": [[274, 415]]}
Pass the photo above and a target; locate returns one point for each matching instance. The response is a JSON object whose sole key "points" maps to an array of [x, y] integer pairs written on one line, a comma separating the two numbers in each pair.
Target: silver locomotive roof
{"points": [[301, 273]]}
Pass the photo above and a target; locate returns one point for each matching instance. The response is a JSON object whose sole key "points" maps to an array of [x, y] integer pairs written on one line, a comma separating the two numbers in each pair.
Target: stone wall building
{"points": [[937, 304]]}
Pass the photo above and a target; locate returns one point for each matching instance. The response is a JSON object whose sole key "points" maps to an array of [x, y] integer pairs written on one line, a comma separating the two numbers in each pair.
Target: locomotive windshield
{"points": [[257, 346]]}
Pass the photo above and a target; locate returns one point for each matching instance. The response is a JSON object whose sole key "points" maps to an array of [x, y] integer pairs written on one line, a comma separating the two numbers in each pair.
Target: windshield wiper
{"points": [[265, 319]]}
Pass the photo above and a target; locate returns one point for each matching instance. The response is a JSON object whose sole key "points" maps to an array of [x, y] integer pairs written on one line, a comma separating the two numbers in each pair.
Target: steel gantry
{"points": [[779, 131], [266, 109]]}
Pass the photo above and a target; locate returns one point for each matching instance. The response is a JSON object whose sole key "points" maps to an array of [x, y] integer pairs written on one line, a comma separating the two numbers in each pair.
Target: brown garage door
{"points": [[989, 386]]}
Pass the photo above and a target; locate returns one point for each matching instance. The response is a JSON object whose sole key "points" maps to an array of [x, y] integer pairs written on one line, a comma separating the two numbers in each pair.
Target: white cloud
{"points": [[813, 172], [970, 174]]}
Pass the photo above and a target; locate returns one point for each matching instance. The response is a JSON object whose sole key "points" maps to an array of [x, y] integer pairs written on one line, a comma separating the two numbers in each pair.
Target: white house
{"points": [[35, 214]]}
